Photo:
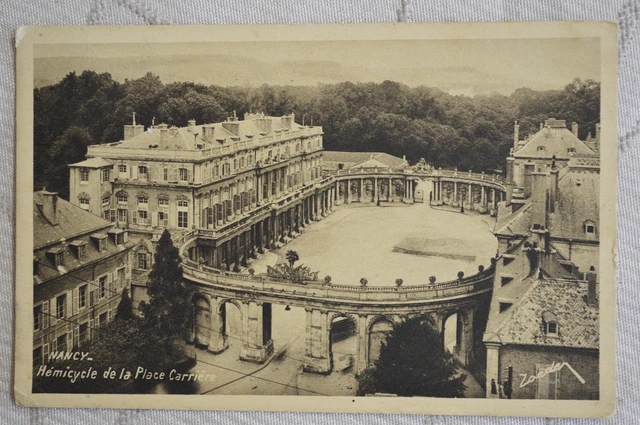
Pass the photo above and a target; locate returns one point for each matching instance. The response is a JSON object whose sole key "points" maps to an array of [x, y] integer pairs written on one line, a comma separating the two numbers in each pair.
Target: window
{"points": [[121, 277], [184, 174], [82, 296], [83, 333], [546, 385], [122, 199], [37, 356], [143, 217], [143, 172], [122, 168], [105, 201], [183, 219], [37, 317], [215, 171], [82, 251], [163, 202], [84, 203], [163, 219], [165, 174], [61, 303], [84, 175], [59, 258], [120, 238], [590, 228], [122, 215], [61, 343], [183, 203], [235, 164], [142, 261], [571, 150], [541, 149], [142, 200], [102, 319], [105, 175], [552, 328], [102, 287]]}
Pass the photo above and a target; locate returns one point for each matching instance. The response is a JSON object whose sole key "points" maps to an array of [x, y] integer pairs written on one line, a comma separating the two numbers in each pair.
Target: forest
{"points": [[471, 133]]}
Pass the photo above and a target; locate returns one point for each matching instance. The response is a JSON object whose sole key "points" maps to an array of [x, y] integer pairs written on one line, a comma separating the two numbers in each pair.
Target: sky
{"points": [[457, 66]]}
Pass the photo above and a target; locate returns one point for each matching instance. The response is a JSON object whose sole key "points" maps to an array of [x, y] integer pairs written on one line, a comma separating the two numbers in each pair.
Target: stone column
{"points": [[316, 213], [257, 344], [317, 357], [227, 254], [375, 189], [455, 193], [219, 340], [483, 199], [362, 354], [439, 190], [493, 370], [470, 196], [361, 190], [390, 192], [466, 340], [348, 191]]}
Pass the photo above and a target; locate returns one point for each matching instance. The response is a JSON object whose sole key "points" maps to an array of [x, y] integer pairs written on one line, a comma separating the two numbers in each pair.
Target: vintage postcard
{"points": [[388, 218]]}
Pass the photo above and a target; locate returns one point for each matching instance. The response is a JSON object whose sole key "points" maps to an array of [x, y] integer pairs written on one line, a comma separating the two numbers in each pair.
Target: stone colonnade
{"points": [[473, 196], [370, 329], [267, 231], [371, 189]]}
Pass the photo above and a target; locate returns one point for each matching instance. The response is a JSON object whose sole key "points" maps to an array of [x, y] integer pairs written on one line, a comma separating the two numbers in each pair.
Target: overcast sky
{"points": [[458, 66]]}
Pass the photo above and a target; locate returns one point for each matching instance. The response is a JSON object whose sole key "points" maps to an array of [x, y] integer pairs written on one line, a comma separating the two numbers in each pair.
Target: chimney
{"points": [[164, 129], [133, 130], [173, 130], [539, 199], [516, 135], [49, 206], [553, 190], [528, 170], [510, 163], [574, 128], [232, 127], [592, 299], [287, 120], [208, 131], [192, 123], [264, 124]]}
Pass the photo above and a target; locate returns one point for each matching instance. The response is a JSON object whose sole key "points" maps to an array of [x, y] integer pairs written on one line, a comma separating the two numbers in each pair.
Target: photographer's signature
{"points": [[555, 367]]}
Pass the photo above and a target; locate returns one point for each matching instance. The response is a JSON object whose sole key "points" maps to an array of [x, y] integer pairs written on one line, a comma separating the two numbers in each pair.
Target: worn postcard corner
{"points": [[377, 218]]}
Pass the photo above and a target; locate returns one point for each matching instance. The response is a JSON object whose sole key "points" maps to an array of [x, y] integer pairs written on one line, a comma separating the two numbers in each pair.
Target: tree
{"points": [[292, 257], [168, 310], [69, 148], [125, 307], [413, 362]]}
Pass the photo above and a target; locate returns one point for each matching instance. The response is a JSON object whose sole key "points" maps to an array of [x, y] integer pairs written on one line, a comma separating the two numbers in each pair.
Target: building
{"points": [[340, 160], [80, 268], [543, 319], [242, 185]]}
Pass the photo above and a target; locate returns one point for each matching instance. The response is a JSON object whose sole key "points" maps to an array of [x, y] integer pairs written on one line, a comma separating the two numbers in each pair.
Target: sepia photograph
{"points": [[375, 214]]}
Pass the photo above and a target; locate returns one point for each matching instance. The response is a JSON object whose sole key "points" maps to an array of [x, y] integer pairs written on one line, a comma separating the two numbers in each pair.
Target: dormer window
{"points": [[550, 324], [589, 228], [79, 248], [100, 240], [57, 256]]}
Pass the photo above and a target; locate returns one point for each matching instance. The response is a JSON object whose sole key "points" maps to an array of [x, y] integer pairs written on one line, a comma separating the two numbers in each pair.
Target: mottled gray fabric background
{"points": [[140, 12]]}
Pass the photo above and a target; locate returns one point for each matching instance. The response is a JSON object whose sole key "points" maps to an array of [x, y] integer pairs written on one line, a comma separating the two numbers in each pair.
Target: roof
{"points": [[195, 137], [556, 140], [93, 163], [578, 322], [71, 222], [514, 223], [577, 203], [351, 159]]}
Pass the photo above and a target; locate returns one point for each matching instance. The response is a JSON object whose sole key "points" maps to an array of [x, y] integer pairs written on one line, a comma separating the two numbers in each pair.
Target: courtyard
{"points": [[380, 243]]}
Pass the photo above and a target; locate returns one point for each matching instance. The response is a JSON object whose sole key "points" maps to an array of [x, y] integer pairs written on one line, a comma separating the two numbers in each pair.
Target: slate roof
{"points": [[556, 140], [93, 163], [578, 323], [357, 159], [514, 223], [188, 138], [71, 222]]}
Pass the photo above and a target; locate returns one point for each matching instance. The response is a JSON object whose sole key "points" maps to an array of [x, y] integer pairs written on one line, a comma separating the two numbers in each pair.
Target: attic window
{"points": [[541, 149], [571, 150], [80, 249], [100, 241], [589, 228], [550, 323], [57, 256]]}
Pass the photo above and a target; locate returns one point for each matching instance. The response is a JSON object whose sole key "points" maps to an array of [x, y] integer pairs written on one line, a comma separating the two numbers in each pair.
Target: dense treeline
{"points": [[467, 132]]}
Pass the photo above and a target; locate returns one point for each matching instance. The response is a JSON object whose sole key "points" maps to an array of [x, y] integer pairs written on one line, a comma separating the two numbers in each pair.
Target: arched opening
{"points": [[378, 332], [343, 343], [202, 322], [422, 191], [452, 334]]}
